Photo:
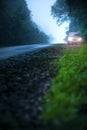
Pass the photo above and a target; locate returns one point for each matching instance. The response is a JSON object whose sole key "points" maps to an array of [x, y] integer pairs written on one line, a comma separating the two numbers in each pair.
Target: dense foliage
{"points": [[66, 103], [73, 10], [16, 26]]}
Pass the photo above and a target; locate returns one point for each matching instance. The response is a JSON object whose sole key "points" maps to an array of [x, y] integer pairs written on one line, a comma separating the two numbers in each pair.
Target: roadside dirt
{"points": [[24, 80]]}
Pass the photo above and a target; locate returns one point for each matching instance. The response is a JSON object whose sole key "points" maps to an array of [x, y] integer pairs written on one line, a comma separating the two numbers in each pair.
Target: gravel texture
{"points": [[24, 80]]}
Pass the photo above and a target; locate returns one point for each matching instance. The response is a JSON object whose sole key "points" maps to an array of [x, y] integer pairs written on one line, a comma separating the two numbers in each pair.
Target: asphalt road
{"points": [[7, 52]]}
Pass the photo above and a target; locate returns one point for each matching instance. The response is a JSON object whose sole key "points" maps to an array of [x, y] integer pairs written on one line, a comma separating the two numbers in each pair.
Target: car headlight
{"points": [[70, 39], [79, 39]]}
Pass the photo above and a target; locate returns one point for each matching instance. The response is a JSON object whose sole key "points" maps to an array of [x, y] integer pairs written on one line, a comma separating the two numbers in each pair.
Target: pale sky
{"points": [[41, 15]]}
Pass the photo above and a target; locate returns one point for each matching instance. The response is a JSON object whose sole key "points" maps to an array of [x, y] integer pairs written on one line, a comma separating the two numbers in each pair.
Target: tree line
{"points": [[73, 10], [16, 26]]}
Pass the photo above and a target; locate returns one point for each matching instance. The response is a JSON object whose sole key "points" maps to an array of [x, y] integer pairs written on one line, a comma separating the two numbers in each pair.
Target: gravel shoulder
{"points": [[24, 80]]}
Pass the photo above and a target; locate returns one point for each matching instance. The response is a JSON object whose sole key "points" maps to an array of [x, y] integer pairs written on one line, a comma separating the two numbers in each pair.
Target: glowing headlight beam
{"points": [[79, 39], [70, 38]]}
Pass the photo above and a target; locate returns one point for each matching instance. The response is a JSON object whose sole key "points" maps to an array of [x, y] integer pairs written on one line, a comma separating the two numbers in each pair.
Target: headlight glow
{"points": [[70, 39], [79, 39]]}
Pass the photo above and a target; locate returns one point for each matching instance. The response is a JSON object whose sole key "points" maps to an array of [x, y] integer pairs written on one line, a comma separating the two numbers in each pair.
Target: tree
{"points": [[60, 11], [16, 26], [75, 11]]}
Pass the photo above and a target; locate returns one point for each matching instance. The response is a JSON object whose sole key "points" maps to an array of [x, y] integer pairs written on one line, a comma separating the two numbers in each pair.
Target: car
{"points": [[74, 38]]}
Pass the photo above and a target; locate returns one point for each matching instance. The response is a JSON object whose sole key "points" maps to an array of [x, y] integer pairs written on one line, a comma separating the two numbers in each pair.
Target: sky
{"points": [[41, 15]]}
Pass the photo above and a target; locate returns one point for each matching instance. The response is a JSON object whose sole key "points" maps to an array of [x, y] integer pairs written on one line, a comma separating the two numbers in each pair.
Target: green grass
{"points": [[66, 102]]}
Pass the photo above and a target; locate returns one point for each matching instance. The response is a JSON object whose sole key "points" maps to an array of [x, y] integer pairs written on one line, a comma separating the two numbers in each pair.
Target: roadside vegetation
{"points": [[66, 102]]}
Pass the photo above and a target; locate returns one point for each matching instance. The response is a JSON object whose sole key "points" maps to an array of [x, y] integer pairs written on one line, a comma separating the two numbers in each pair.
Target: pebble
{"points": [[32, 72]]}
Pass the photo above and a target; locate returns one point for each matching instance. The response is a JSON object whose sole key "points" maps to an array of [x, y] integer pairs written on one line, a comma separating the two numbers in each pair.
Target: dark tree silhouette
{"points": [[73, 10], [16, 26]]}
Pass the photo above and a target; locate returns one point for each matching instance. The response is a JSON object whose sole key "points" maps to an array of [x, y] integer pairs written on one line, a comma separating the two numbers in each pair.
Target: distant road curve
{"points": [[7, 52]]}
